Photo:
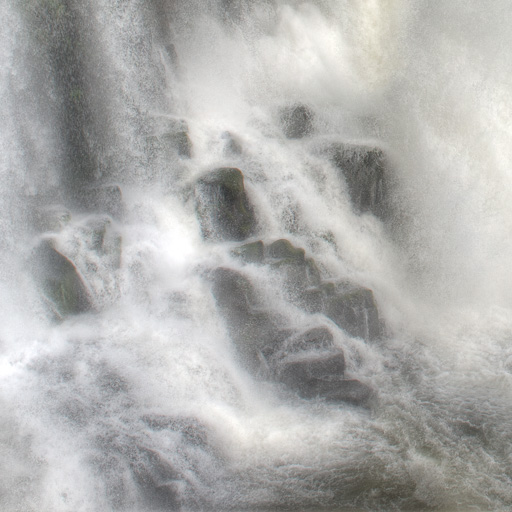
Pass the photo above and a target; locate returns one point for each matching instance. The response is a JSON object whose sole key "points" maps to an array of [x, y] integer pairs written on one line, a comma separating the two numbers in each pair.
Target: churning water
{"points": [[135, 397]]}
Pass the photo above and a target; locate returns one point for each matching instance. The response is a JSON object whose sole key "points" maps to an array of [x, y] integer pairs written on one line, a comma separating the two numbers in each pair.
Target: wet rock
{"points": [[250, 253], [170, 138], [105, 199], [180, 142], [350, 306], [365, 171], [302, 370], [296, 121], [223, 207], [157, 479], [60, 282], [300, 273], [316, 338], [232, 146], [100, 236], [350, 390], [355, 311], [284, 250], [321, 375], [253, 330]]}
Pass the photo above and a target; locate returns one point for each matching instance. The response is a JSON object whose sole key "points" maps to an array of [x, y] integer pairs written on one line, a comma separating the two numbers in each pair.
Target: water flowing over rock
{"points": [[255, 255], [223, 206], [364, 169], [297, 121]]}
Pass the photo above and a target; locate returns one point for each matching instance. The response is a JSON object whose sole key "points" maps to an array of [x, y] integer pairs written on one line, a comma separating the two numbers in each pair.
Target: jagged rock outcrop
{"points": [[223, 207], [309, 363], [348, 305], [365, 171], [296, 121]]}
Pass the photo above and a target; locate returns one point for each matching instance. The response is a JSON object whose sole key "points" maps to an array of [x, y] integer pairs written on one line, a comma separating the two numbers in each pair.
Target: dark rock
{"points": [[252, 329], [355, 311], [364, 169], [283, 249], [180, 142], [60, 281], [106, 199], [320, 375], [170, 138], [303, 369], [296, 121], [314, 339], [250, 253], [223, 206], [301, 274]]}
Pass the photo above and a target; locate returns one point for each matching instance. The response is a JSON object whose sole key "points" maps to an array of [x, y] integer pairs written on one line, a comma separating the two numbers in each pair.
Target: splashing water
{"points": [[132, 393]]}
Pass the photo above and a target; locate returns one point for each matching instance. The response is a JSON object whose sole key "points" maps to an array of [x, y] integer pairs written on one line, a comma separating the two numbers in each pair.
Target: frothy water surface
{"points": [[111, 113]]}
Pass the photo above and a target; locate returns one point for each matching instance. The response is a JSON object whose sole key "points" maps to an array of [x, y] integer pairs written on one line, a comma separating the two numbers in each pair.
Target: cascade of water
{"points": [[255, 255]]}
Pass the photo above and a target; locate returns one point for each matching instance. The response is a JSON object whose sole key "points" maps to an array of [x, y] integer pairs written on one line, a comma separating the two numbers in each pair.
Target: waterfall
{"points": [[255, 255]]}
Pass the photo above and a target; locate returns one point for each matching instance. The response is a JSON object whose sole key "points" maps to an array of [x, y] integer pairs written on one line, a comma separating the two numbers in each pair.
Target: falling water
{"points": [[148, 358]]}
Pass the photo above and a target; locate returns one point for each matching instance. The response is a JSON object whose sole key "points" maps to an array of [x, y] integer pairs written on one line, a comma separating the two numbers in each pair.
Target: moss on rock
{"points": [[60, 282]]}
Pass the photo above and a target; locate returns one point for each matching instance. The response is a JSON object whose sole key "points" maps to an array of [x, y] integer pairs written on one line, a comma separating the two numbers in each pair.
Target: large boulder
{"points": [[320, 374], [364, 169], [223, 207], [60, 282], [296, 121]]}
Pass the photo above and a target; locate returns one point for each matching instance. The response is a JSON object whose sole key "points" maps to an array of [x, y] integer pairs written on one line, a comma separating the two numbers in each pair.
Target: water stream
{"points": [[144, 391]]}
